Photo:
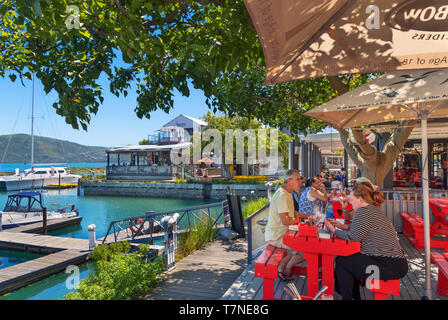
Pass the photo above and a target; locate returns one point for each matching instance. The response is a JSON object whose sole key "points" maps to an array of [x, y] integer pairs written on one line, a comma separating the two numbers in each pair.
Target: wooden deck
{"points": [[206, 274], [61, 252], [20, 275], [249, 287], [40, 243]]}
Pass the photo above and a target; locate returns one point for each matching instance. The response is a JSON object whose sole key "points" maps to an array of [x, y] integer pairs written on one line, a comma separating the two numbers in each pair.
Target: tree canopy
{"points": [[166, 46]]}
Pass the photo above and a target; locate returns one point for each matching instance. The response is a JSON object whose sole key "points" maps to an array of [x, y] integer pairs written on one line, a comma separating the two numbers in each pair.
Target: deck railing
{"points": [[149, 227], [163, 171]]}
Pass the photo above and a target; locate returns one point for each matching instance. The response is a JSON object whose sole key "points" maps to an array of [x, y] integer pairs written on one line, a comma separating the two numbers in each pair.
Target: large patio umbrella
{"points": [[304, 39], [411, 95], [206, 161]]}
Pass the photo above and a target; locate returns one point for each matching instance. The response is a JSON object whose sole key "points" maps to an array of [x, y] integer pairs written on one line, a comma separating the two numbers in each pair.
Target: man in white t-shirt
{"points": [[281, 215]]}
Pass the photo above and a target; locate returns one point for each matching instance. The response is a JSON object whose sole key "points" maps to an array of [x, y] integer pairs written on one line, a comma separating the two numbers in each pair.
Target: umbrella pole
{"points": [[425, 187]]}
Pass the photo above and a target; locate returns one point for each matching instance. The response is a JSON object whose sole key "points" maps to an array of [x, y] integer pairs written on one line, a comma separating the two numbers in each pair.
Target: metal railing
{"points": [[398, 201], [149, 227], [140, 171]]}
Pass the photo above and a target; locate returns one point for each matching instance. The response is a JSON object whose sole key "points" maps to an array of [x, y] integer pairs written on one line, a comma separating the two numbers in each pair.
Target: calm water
{"points": [[97, 210], [11, 167], [9, 258]]}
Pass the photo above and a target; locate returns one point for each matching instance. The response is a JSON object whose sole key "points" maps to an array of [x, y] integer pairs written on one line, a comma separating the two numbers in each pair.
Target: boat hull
{"points": [[17, 219], [11, 184]]}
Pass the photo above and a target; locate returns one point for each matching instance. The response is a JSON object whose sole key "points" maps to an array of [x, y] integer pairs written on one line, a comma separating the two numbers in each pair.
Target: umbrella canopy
{"points": [[394, 96], [417, 95], [205, 160], [305, 39]]}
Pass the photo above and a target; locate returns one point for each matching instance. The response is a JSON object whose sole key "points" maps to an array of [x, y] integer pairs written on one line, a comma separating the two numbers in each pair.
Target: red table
{"points": [[319, 250]]}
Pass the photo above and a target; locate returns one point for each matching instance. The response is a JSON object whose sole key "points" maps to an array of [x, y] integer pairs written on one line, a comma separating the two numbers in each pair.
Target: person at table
{"points": [[281, 216], [379, 243], [326, 182], [314, 195], [296, 195]]}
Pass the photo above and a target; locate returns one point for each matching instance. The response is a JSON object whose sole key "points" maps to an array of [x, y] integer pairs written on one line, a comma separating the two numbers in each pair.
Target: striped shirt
{"points": [[375, 232]]}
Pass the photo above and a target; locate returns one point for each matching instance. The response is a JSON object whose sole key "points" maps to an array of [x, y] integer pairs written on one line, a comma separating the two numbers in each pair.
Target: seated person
{"points": [[380, 248], [314, 195], [281, 215]]}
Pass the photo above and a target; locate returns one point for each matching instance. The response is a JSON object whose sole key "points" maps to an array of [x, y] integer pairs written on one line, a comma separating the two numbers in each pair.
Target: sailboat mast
{"points": [[32, 129]]}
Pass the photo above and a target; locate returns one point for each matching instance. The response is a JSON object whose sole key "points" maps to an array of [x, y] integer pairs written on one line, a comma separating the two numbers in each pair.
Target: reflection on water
{"points": [[9, 258]]}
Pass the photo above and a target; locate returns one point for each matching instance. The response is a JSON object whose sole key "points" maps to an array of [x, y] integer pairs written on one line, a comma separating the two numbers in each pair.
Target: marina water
{"points": [[98, 210]]}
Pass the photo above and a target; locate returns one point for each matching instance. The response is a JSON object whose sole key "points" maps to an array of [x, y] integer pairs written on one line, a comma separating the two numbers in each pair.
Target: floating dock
{"points": [[60, 252]]}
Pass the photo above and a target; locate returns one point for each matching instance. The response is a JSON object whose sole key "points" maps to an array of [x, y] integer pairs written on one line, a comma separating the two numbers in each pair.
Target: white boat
{"points": [[37, 178], [27, 207]]}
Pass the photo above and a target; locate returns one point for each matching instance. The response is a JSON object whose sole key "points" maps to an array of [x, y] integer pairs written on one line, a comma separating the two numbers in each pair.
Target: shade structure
{"points": [[410, 95], [393, 96], [305, 39], [205, 160]]}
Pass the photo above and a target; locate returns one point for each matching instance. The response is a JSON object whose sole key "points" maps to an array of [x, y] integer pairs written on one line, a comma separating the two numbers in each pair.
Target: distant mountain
{"points": [[48, 150]]}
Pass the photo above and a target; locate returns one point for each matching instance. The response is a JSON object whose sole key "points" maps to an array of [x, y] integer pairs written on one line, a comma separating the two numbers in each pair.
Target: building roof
{"points": [[150, 147], [200, 122]]}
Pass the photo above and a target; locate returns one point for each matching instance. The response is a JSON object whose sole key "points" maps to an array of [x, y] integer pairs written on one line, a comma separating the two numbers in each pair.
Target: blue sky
{"points": [[115, 124]]}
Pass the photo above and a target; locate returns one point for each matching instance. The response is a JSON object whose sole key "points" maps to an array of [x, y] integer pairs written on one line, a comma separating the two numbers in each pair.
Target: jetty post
{"points": [[44, 220]]}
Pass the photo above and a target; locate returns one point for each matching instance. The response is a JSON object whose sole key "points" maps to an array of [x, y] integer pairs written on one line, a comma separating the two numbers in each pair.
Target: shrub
{"points": [[201, 233], [119, 274], [253, 206]]}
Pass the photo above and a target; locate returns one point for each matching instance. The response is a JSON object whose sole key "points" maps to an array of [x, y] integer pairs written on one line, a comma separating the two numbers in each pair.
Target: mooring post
{"points": [[44, 220], [92, 244]]}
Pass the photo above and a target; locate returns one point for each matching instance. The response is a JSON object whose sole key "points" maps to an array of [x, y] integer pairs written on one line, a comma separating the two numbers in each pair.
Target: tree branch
{"points": [[338, 85], [294, 104], [367, 150], [99, 32], [350, 147], [121, 8], [393, 146]]}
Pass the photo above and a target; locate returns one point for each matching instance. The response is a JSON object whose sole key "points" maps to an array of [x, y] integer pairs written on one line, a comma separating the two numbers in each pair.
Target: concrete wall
{"points": [[171, 190]]}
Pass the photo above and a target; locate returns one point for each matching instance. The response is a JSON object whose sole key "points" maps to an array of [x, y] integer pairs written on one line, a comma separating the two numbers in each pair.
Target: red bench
{"points": [[413, 228], [266, 267], [384, 288], [441, 260]]}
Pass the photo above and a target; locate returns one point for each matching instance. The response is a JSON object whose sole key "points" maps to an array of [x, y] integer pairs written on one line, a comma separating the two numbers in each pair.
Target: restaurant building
{"points": [[152, 161]]}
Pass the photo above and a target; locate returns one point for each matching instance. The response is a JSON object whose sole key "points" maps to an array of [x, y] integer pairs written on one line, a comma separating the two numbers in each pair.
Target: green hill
{"points": [[48, 150]]}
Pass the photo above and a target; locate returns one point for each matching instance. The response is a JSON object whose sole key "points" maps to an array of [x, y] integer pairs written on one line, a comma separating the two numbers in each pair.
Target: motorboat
{"points": [[27, 207], [37, 178]]}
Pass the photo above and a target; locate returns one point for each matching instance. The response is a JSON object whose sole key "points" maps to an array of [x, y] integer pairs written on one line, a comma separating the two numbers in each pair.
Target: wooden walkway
{"points": [[249, 287], [20, 275], [206, 274], [61, 252]]}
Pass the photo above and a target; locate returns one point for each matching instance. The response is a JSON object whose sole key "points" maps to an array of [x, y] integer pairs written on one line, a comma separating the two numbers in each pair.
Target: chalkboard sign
{"points": [[236, 215]]}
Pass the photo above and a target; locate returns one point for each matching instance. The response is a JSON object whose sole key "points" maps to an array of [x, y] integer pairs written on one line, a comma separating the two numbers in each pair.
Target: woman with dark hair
{"points": [[381, 256], [314, 195]]}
